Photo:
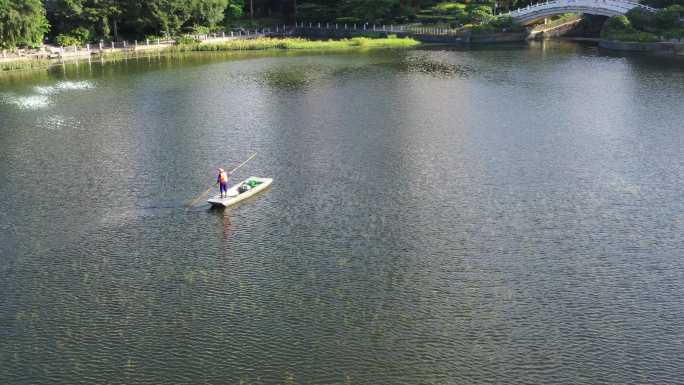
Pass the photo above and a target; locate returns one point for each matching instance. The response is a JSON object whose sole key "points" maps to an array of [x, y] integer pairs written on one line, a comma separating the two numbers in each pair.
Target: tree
{"points": [[316, 12], [480, 13], [104, 12], [668, 18], [641, 19], [663, 3], [99, 16], [64, 15], [234, 10], [169, 15], [505, 23], [617, 23], [209, 12], [22, 22], [371, 11]]}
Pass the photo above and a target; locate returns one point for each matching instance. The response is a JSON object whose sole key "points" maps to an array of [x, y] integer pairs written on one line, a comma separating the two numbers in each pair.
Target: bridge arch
{"points": [[609, 8]]}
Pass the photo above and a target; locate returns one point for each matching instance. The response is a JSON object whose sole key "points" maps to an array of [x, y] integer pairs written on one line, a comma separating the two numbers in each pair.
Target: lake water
{"points": [[508, 215]]}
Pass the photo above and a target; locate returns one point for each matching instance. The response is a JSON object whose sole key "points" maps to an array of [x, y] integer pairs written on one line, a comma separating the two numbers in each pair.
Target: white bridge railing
{"points": [[605, 7]]}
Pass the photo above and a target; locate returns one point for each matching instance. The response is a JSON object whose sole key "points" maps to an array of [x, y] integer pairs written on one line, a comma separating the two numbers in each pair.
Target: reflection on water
{"points": [[64, 86], [25, 102], [492, 215]]}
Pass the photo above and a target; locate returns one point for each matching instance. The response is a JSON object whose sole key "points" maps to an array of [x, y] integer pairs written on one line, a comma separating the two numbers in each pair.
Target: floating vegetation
{"points": [[287, 79], [344, 262], [428, 65], [347, 379], [293, 78], [290, 378]]}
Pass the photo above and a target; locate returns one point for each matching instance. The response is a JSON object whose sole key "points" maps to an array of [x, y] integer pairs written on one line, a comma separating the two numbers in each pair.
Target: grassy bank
{"points": [[262, 44], [24, 64], [41, 63], [299, 44]]}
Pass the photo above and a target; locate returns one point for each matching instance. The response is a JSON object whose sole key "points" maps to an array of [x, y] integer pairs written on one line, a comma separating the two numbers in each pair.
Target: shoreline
{"points": [[660, 48], [27, 64], [226, 45]]}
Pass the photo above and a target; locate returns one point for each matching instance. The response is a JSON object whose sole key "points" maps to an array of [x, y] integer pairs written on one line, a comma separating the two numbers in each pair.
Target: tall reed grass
{"points": [[25, 64]]}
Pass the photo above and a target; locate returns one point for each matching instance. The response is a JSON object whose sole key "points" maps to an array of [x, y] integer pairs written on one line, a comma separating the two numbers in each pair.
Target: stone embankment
{"points": [[661, 48]]}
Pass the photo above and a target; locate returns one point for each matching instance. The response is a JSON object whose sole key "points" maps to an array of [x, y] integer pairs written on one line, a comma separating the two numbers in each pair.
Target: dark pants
{"points": [[224, 187]]}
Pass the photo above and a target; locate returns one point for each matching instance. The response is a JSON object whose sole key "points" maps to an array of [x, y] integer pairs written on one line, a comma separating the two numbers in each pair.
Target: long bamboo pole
{"points": [[194, 201]]}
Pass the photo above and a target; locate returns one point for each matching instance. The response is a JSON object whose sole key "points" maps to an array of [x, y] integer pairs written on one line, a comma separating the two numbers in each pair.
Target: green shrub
{"points": [[200, 30], [66, 40], [185, 39], [83, 35], [506, 24], [475, 6], [668, 18], [348, 20], [406, 13], [641, 19], [76, 37], [634, 36], [154, 38], [449, 12], [619, 28], [449, 8], [480, 16], [440, 18], [617, 23], [483, 29], [677, 33], [662, 3]]}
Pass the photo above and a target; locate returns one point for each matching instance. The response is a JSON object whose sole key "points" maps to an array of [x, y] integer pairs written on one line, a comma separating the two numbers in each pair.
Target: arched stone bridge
{"points": [[609, 8]]}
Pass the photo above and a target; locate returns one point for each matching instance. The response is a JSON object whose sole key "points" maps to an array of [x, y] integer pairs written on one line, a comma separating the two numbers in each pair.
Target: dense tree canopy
{"points": [[209, 12], [81, 21], [22, 22], [663, 3]]}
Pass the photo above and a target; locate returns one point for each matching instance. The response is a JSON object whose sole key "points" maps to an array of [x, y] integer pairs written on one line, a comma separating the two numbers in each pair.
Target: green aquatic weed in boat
{"points": [[253, 183]]}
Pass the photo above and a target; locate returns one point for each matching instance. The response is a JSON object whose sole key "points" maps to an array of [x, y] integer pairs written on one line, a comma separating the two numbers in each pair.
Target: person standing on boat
{"points": [[222, 181]]}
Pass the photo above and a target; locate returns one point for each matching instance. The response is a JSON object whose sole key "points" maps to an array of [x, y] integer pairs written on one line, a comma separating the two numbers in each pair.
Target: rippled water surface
{"points": [[511, 216]]}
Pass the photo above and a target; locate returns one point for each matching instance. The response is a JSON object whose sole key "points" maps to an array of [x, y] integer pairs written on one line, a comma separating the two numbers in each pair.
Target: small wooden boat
{"points": [[241, 191]]}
